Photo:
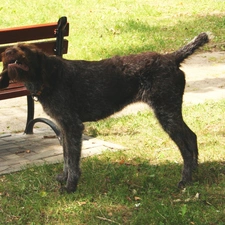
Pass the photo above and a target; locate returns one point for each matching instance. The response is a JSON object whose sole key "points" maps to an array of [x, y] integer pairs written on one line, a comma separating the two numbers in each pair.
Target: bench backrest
{"points": [[49, 37]]}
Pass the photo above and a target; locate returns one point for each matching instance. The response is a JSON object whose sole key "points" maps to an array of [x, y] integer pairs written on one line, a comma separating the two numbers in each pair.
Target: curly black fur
{"points": [[75, 91]]}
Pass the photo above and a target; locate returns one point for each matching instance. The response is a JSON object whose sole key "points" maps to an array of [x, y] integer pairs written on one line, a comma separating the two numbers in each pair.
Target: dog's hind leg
{"points": [[170, 117]]}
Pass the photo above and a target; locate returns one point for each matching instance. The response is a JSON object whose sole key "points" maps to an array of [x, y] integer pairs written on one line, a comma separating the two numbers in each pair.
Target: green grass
{"points": [[136, 186], [100, 29]]}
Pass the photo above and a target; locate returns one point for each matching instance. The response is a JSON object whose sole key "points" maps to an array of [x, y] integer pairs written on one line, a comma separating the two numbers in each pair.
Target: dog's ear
{"points": [[4, 79], [48, 69]]}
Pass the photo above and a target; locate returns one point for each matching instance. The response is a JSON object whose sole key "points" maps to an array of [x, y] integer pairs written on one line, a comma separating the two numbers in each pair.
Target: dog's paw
{"points": [[181, 185], [70, 188], [195, 166], [61, 178], [67, 189]]}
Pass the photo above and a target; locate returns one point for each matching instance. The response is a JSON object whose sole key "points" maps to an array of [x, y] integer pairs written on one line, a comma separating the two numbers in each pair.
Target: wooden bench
{"points": [[50, 38]]}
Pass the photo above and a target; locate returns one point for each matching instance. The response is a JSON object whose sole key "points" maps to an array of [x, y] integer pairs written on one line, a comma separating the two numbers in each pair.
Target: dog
{"points": [[77, 91]]}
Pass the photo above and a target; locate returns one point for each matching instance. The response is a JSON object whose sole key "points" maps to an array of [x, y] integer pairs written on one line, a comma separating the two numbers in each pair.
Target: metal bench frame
{"points": [[50, 38]]}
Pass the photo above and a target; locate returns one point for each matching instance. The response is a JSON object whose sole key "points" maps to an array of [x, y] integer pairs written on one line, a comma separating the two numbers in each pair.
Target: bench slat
{"points": [[46, 46], [28, 33], [14, 90]]}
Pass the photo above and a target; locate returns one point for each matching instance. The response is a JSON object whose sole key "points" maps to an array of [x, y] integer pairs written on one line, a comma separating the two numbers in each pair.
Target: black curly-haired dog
{"points": [[75, 91]]}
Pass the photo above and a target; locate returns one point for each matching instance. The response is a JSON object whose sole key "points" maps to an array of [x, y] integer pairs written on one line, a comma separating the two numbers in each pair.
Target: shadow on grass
{"points": [[127, 190], [140, 173], [102, 174]]}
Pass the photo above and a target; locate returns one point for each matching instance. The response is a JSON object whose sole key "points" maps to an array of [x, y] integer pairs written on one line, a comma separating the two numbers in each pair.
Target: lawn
{"points": [[138, 185]]}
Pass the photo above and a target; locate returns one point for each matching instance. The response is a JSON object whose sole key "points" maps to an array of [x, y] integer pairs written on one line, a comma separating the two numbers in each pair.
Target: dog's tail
{"points": [[181, 54]]}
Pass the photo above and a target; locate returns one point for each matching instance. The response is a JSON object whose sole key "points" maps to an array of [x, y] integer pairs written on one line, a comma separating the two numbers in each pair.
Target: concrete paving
{"points": [[19, 150]]}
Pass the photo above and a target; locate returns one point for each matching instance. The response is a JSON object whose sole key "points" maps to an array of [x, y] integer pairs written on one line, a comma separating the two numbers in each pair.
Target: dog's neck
{"points": [[35, 89]]}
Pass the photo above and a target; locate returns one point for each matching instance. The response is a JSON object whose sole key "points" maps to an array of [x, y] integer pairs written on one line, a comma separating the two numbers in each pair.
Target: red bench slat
{"points": [[14, 90], [28, 33]]}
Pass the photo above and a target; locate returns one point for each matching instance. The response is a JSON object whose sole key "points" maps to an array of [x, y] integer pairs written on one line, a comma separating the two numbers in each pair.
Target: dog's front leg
{"points": [[72, 142], [72, 162], [62, 177]]}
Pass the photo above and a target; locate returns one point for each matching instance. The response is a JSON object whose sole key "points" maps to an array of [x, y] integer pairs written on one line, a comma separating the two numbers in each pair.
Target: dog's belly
{"points": [[98, 112], [93, 105]]}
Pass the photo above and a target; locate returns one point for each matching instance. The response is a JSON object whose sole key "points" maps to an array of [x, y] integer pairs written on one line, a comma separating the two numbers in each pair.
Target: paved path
{"points": [[205, 75], [19, 150]]}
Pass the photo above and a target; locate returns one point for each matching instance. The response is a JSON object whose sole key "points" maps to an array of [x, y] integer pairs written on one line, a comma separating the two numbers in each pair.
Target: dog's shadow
{"points": [[100, 176]]}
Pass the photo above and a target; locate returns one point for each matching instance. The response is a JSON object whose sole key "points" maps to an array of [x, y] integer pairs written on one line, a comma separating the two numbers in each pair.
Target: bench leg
{"points": [[31, 121], [46, 121], [30, 114]]}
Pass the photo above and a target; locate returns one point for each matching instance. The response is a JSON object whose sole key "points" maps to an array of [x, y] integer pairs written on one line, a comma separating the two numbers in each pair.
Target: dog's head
{"points": [[20, 63]]}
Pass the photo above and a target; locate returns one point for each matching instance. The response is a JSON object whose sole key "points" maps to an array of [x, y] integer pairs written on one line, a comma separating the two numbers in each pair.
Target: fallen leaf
{"points": [[137, 205], [82, 203], [197, 196], [49, 136], [122, 161], [43, 193], [128, 198], [23, 151], [177, 200]]}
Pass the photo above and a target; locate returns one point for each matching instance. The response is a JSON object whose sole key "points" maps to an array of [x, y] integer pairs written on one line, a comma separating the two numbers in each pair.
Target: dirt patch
{"points": [[205, 77]]}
